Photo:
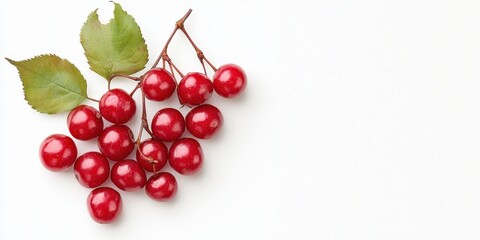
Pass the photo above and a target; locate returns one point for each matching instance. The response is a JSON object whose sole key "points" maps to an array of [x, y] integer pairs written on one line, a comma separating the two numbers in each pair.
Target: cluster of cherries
{"points": [[116, 142]]}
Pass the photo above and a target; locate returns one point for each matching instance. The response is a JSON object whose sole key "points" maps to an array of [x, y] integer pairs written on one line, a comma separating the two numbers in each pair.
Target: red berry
{"points": [[161, 187], [204, 121], [229, 80], [152, 150], [116, 142], [194, 89], [128, 175], [85, 122], [104, 204], [186, 156], [58, 152], [91, 169], [168, 124], [117, 106], [158, 84]]}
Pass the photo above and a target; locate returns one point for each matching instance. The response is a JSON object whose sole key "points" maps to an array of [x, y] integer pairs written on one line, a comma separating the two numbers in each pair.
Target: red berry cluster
{"points": [[116, 142]]}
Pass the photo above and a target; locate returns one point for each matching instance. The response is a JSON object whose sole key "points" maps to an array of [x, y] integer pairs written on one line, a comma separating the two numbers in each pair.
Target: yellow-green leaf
{"points": [[114, 48], [51, 84]]}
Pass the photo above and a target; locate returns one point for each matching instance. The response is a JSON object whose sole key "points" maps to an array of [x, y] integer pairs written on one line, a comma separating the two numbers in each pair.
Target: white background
{"points": [[361, 120]]}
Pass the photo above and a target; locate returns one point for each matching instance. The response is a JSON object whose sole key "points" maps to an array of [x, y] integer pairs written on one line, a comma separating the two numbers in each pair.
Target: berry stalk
{"points": [[178, 25], [200, 54]]}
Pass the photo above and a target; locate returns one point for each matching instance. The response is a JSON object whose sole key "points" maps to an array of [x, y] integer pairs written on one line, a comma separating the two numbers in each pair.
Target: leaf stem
{"points": [[125, 76], [137, 79], [92, 99]]}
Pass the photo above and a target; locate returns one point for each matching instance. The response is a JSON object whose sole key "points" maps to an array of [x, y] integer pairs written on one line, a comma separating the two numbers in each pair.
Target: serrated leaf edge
{"points": [[15, 64], [111, 21]]}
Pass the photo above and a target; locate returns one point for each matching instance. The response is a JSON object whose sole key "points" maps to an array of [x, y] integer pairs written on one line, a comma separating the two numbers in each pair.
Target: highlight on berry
{"points": [[107, 120]]}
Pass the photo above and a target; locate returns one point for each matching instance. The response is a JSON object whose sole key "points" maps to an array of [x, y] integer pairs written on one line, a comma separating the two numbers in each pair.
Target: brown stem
{"points": [[144, 111], [144, 126], [147, 129], [166, 59], [93, 100], [122, 75], [154, 169], [197, 49], [169, 61], [144, 116], [144, 119], [209, 63], [137, 144], [175, 67], [135, 89], [150, 159], [173, 73], [178, 25], [125, 76], [164, 48], [139, 138], [200, 54], [203, 66]]}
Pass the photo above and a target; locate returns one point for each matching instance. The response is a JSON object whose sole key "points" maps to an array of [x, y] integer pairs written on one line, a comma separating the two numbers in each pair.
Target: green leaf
{"points": [[51, 84], [114, 48]]}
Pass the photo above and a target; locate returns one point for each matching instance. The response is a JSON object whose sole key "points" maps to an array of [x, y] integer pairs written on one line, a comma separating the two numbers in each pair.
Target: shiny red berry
{"points": [[116, 142], [229, 80], [85, 122], [186, 156], [194, 89], [91, 169], [128, 175], [161, 187], [204, 121], [117, 106], [152, 154], [168, 124], [104, 204], [158, 84], [58, 152]]}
